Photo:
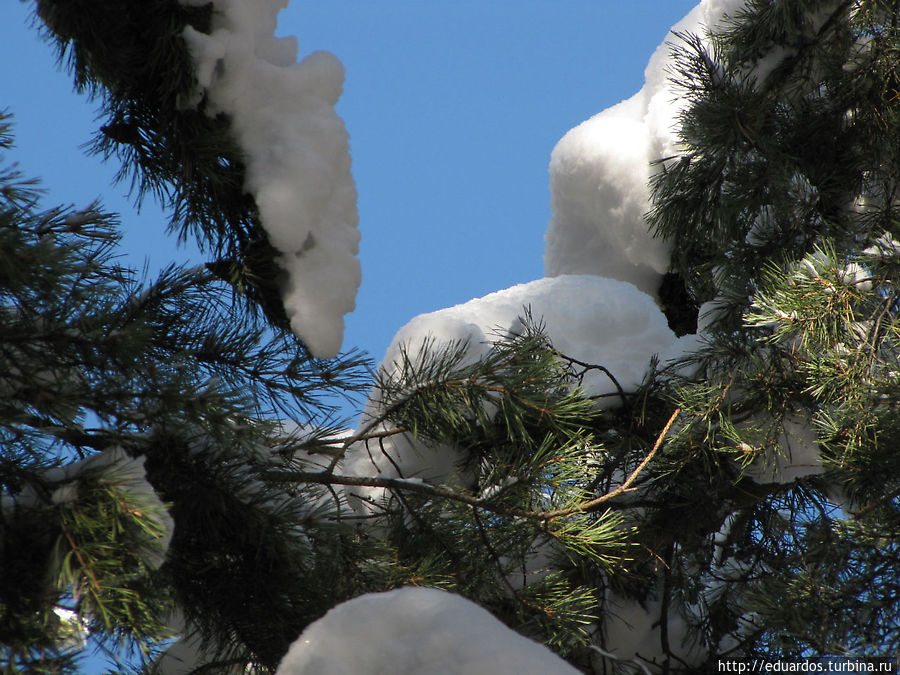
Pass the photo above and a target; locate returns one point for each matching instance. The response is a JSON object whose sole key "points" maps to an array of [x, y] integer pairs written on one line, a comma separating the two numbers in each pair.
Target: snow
{"points": [[492, 491], [187, 656], [398, 456], [818, 267], [597, 305], [127, 474], [599, 194], [762, 228], [858, 52], [416, 631], [764, 66], [590, 318], [885, 248], [72, 631], [854, 274], [631, 632], [631, 629], [78, 219], [599, 173], [796, 455], [311, 446], [596, 302], [297, 157], [181, 658], [119, 470], [710, 312]]}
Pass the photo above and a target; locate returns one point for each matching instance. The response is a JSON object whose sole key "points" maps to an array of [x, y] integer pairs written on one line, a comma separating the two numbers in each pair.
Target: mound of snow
{"points": [[297, 157], [599, 173], [416, 631], [595, 320], [589, 318], [631, 633]]}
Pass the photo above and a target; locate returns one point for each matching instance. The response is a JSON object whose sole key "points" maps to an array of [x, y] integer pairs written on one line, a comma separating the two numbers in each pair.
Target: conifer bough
{"points": [[748, 494]]}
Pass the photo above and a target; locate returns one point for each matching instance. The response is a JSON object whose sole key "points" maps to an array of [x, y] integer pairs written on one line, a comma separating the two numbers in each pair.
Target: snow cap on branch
{"points": [[297, 158], [418, 631], [595, 320], [599, 175], [127, 474], [124, 474]]}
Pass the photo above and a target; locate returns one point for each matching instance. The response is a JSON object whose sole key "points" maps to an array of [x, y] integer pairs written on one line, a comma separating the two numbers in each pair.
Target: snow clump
{"points": [[884, 248], [118, 470], [416, 631], [599, 175], [798, 454], [854, 274], [631, 633], [297, 155], [589, 318]]}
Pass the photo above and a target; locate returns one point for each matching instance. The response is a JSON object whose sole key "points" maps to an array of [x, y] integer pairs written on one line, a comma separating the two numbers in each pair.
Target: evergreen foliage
{"points": [[524, 495], [95, 360], [783, 204], [746, 500], [133, 59]]}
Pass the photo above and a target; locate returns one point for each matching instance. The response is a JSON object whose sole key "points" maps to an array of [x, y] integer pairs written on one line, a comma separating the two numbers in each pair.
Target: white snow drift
{"points": [[297, 155], [590, 318], [599, 173], [120, 472], [416, 631]]}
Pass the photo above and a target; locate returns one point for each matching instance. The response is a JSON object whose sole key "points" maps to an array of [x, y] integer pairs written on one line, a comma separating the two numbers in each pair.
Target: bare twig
{"points": [[624, 487], [593, 366]]}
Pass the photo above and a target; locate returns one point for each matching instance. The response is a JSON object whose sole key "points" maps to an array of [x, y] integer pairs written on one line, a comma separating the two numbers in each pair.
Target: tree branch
{"points": [[328, 478]]}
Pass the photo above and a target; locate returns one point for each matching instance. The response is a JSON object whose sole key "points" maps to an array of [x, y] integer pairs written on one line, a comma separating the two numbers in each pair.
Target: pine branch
{"points": [[327, 477]]}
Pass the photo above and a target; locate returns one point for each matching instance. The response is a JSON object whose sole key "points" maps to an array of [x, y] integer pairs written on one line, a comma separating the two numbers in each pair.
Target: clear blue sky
{"points": [[453, 107]]}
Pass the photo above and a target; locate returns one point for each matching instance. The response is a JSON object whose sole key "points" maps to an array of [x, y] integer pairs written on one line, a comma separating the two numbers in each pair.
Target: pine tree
{"points": [[762, 515], [783, 206], [134, 406], [743, 502], [122, 395], [187, 390]]}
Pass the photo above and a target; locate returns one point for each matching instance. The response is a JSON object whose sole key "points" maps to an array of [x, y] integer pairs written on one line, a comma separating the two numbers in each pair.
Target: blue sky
{"points": [[453, 108]]}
